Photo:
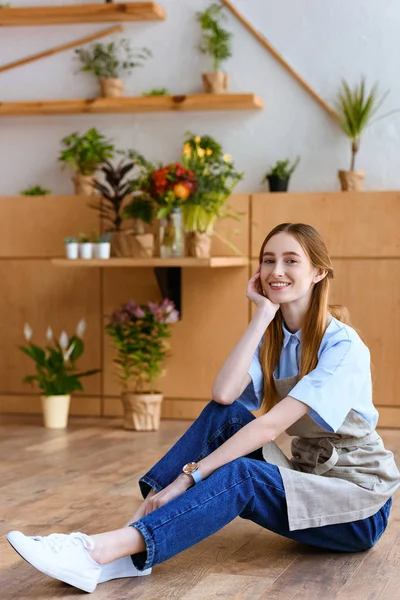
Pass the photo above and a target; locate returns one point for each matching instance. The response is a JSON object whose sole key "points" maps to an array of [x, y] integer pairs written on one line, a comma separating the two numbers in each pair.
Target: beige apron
{"points": [[333, 477]]}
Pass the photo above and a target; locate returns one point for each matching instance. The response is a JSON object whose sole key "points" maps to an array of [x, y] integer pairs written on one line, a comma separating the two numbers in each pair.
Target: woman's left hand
{"points": [[173, 490]]}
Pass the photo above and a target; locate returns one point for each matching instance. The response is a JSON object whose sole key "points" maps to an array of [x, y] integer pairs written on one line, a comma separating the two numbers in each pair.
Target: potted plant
{"points": [[102, 246], [139, 334], [279, 175], [216, 43], [35, 190], [56, 373], [356, 108], [84, 154], [215, 178], [71, 248], [85, 247], [110, 63]]}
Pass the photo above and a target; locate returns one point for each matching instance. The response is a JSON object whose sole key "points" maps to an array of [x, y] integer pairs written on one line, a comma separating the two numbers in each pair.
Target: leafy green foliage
{"points": [[114, 192], [35, 190], [113, 60], [84, 153], [216, 41], [139, 333], [356, 108], [56, 373], [157, 92], [282, 169], [141, 207]]}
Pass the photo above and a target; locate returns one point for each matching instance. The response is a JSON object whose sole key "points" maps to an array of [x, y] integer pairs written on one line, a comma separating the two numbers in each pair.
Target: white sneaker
{"points": [[122, 567], [63, 557]]}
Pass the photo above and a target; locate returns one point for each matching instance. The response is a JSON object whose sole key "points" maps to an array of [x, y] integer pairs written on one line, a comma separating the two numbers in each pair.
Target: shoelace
{"points": [[58, 541]]}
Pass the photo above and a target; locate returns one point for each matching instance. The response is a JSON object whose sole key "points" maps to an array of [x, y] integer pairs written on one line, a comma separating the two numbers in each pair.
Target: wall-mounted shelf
{"points": [[168, 271], [134, 104], [186, 261], [85, 13]]}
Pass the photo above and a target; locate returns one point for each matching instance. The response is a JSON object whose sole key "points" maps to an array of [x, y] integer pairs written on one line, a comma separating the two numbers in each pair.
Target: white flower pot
{"points": [[86, 251], [55, 411], [102, 250], [72, 250]]}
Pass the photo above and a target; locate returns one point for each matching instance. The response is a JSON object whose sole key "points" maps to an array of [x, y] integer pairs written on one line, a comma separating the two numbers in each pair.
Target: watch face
{"points": [[190, 467]]}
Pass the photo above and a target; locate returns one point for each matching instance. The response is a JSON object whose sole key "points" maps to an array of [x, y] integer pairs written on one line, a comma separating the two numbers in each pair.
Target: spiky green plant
{"points": [[216, 41], [113, 60], [356, 108]]}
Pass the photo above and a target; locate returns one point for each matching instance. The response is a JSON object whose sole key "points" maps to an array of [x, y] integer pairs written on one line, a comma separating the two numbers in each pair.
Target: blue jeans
{"points": [[248, 487]]}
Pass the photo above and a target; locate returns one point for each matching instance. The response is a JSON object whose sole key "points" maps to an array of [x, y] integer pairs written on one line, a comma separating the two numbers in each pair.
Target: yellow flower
{"points": [[201, 152], [187, 151], [227, 158], [197, 139], [208, 151]]}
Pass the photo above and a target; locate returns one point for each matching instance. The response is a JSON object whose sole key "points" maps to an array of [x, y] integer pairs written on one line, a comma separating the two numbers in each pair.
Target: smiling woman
{"points": [[310, 373]]}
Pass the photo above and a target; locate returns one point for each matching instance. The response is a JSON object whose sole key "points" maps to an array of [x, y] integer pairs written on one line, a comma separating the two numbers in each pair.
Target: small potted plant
{"points": [[279, 175], [56, 372], [102, 246], [35, 190], [85, 247], [110, 63], [84, 154], [139, 334], [356, 109], [216, 43], [71, 248]]}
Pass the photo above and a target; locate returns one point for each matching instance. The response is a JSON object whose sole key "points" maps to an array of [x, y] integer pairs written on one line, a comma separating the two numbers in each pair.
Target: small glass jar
{"points": [[171, 235]]}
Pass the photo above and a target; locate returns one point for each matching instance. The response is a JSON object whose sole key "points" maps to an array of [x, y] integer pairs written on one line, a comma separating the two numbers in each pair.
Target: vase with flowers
{"points": [[215, 176], [56, 373], [139, 334]]}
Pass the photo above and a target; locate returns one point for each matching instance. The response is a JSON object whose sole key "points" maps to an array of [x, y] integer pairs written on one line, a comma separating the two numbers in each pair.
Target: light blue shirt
{"points": [[340, 382]]}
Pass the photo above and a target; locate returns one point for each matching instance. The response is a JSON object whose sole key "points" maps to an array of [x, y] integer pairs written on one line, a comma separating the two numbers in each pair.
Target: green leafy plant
{"points": [[139, 333], [282, 169], [115, 192], [35, 190], [157, 92], [85, 153], [357, 108], [70, 240], [216, 41], [113, 60], [56, 372]]}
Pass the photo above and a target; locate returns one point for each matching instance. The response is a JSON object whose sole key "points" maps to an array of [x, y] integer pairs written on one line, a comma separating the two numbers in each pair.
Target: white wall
{"points": [[324, 41]]}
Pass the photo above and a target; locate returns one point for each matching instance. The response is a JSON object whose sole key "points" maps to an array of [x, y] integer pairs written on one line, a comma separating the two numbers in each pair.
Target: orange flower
{"points": [[181, 191]]}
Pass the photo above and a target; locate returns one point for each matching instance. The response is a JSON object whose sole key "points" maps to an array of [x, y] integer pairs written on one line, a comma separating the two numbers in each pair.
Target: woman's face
{"points": [[287, 274]]}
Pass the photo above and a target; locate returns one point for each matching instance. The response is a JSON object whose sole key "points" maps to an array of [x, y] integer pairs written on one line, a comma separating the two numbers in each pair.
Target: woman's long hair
{"points": [[315, 320]]}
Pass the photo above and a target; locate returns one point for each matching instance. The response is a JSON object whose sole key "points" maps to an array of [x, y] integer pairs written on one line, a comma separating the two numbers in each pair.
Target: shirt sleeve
{"points": [[252, 396], [332, 388]]}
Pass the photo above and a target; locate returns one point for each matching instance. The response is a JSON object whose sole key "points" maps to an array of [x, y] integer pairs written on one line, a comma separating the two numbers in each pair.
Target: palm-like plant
{"points": [[114, 192], [356, 108]]}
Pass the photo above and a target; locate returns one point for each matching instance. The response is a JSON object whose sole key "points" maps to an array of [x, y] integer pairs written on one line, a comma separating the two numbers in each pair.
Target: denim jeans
{"points": [[248, 487]]}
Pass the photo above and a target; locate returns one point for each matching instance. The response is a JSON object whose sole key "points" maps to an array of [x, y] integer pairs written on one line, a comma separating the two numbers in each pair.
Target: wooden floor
{"points": [[85, 479]]}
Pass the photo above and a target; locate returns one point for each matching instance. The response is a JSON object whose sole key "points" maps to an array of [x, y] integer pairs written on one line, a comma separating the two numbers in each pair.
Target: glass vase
{"points": [[171, 235]]}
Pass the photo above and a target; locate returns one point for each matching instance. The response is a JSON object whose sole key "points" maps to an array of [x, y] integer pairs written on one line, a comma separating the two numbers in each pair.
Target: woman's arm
{"points": [[255, 434], [233, 378]]}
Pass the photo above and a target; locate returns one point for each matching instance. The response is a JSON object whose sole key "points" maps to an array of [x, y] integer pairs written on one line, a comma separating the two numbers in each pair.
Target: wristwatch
{"points": [[192, 469]]}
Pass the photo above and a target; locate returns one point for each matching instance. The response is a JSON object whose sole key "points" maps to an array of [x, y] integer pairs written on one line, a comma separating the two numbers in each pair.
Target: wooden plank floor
{"points": [[85, 479]]}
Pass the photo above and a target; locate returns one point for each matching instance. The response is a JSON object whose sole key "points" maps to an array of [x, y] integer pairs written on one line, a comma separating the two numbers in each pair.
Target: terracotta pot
{"points": [[142, 412], [351, 181], [111, 88], [55, 411], [83, 184], [199, 244], [215, 83], [124, 244]]}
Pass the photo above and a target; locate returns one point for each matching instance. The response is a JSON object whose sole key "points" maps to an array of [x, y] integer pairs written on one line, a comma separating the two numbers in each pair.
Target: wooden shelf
{"points": [[213, 262], [85, 13], [134, 104]]}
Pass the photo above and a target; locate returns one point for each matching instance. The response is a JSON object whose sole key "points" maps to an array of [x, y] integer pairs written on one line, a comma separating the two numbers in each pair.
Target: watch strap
{"points": [[197, 476]]}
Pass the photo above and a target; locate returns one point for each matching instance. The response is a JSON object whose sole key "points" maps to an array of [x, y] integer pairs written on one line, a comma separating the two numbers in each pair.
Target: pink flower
{"points": [[138, 312]]}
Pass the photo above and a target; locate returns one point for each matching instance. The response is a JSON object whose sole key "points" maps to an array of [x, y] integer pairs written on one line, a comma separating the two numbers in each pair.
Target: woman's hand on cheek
{"points": [[255, 294]]}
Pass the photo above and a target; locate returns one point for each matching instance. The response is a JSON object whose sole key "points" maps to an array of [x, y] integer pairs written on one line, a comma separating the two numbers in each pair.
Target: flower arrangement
{"points": [[139, 333], [171, 186], [56, 372]]}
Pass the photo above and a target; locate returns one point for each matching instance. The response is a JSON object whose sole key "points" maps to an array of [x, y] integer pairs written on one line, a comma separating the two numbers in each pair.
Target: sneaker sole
{"points": [[59, 576]]}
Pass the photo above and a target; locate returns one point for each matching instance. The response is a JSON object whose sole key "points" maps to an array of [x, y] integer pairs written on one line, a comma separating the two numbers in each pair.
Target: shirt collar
{"points": [[287, 335]]}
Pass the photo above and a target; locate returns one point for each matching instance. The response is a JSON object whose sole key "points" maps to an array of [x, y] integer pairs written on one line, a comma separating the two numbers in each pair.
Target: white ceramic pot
{"points": [[102, 250], [72, 250], [55, 411], [86, 250]]}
